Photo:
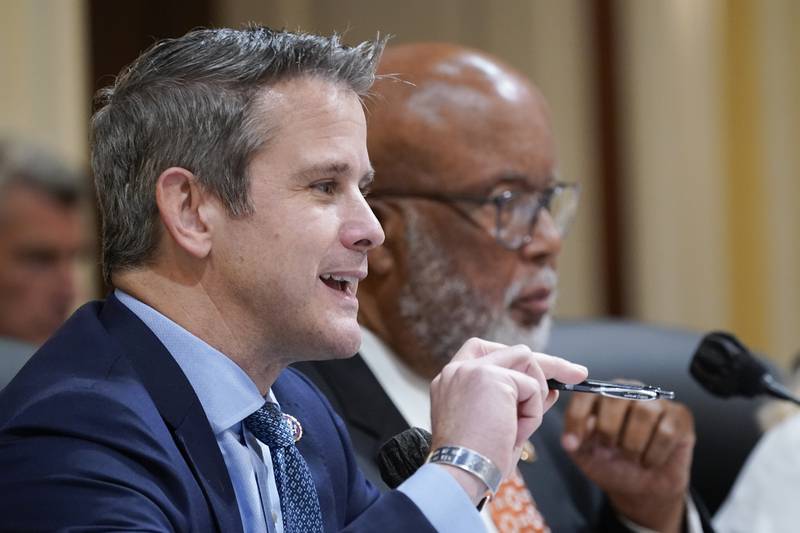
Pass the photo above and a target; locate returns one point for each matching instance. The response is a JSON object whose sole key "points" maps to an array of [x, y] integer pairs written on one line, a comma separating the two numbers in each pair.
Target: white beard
{"points": [[506, 331], [444, 310]]}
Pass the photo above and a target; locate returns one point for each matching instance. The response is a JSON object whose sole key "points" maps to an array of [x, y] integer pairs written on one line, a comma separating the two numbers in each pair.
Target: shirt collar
{"points": [[409, 392], [226, 392]]}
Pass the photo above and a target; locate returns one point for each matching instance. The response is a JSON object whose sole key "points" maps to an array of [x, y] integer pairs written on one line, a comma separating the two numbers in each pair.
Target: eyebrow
{"points": [[517, 180], [336, 168], [329, 168]]}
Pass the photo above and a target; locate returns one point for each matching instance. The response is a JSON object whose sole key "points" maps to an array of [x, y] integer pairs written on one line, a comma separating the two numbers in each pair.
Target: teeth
{"points": [[345, 279]]}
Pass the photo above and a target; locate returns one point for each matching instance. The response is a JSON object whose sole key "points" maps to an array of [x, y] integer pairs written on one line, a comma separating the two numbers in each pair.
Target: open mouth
{"points": [[344, 284]]}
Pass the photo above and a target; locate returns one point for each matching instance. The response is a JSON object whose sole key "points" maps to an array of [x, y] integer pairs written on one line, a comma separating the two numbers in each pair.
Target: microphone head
{"points": [[725, 367], [402, 455]]}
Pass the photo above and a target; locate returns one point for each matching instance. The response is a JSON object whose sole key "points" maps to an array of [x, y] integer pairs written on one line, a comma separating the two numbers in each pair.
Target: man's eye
{"points": [[327, 187], [39, 259]]}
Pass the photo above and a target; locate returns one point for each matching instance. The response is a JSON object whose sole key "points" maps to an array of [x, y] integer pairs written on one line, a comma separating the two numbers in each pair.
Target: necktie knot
{"points": [[299, 502], [270, 426]]}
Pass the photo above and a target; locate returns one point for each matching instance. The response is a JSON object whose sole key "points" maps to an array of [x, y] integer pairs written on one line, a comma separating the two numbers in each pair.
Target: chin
{"points": [[343, 342], [346, 349], [509, 331]]}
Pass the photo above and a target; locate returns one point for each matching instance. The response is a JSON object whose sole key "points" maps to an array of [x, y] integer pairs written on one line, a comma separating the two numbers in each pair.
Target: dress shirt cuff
{"points": [[693, 522], [442, 500]]}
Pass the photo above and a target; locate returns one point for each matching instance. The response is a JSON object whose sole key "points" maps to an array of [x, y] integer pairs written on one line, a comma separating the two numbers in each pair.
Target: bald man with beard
{"points": [[467, 192]]}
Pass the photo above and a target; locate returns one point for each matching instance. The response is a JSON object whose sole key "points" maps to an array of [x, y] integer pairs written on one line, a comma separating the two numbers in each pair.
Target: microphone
{"points": [[725, 367], [402, 455]]}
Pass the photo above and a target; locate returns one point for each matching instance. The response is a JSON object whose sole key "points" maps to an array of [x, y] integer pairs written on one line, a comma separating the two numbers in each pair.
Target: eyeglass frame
{"points": [[499, 200]]}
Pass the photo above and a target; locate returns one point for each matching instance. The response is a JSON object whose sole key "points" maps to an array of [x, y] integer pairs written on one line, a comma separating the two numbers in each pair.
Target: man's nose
{"points": [[545, 242], [361, 231]]}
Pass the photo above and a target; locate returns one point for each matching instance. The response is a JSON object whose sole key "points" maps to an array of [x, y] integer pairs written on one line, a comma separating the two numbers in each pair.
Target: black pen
{"points": [[624, 391]]}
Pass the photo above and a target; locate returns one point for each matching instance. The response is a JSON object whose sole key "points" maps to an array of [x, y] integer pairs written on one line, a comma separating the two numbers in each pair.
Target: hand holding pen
{"points": [[638, 452]]}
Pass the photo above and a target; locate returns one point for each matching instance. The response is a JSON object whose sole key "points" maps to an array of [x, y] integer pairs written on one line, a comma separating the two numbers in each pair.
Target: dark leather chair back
{"points": [[726, 428]]}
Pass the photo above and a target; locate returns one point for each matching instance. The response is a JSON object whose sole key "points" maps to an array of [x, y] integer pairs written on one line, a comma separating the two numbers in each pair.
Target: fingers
{"points": [[561, 369], [520, 357], [532, 394], [527, 390], [580, 410], [646, 433], [550, 399], [538, 365], [475, 348], [522, 360], [492, 397], [485, 407], [675, 427], [639, 431], [610, 418]]}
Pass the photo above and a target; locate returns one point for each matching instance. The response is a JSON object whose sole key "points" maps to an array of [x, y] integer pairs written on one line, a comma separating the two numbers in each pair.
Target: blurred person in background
{"points": [[42, 235], [466, 190], [764, 497]]}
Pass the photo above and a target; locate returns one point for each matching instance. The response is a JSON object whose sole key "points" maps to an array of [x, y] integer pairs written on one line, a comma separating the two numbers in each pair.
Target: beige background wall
{"points": [[709, 110], [43, 68], [711, 107]]}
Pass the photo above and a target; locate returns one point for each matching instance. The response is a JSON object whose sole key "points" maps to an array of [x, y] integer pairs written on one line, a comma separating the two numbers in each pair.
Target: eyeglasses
{"points": [[516, 212]]}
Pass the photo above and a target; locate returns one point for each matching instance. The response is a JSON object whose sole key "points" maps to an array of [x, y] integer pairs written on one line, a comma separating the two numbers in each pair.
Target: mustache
{"points": [[544, 278]]}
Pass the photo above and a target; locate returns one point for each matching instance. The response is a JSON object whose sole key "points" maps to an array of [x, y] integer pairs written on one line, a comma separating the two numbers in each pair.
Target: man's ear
{"points": [[385, 258], [185, 208]]}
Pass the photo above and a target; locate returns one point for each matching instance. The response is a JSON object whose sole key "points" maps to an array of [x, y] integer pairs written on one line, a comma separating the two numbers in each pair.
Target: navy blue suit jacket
{"points": [[102, 431]]}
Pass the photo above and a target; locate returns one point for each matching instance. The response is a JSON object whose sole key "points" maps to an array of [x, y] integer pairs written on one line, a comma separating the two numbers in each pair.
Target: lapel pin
{"points": [[528, 453], [294, 424]]}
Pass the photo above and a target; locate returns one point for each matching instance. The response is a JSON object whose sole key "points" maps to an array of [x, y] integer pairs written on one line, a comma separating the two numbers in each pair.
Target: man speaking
{"points": [[231, 168]]}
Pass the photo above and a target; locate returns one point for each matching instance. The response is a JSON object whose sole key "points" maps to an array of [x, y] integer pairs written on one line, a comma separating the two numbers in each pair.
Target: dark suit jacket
{"points": [[101, 430], [568, 501]]}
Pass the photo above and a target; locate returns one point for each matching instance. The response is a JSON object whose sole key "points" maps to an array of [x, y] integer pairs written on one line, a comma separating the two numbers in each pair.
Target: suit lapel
{"points": [[180, 408], [358, 397]]}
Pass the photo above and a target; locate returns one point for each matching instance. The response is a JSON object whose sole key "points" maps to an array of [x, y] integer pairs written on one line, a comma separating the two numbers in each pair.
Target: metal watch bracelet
{"points": [[470, 461]]}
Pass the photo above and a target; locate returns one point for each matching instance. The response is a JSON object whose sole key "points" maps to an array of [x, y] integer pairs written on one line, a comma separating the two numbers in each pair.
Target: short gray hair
{"points": [[22, 163], [190, 102]]}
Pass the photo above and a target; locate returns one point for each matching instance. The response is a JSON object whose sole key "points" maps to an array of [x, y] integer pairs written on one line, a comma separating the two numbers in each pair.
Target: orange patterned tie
{"points": [[513, 509]]}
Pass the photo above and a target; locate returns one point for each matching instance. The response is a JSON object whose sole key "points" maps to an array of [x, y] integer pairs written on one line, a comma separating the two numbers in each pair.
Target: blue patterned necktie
{"points": [[299, 502]]}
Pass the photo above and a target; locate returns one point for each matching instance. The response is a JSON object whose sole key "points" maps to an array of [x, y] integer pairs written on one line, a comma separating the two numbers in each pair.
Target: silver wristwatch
{"points": [[470, 461]]}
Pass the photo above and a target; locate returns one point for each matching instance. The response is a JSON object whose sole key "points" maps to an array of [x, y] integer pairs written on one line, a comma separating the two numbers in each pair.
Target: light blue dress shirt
{"points": [[228, 396]]}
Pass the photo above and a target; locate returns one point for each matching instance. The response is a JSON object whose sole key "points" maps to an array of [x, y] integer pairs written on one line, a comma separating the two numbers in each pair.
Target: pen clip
{"points": [[629, 394]]}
